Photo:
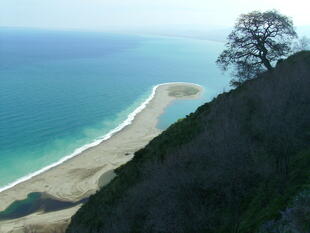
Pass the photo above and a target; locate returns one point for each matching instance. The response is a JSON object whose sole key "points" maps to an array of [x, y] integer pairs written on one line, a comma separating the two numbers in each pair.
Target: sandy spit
{"points": [[80, 176]]}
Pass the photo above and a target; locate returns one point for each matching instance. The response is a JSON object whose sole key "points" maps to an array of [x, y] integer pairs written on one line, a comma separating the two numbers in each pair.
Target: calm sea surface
{"points": [[62, 90]]}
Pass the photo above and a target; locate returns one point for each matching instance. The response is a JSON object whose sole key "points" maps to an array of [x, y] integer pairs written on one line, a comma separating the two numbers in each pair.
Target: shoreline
{"points": [[80, 173], [96, 142]]}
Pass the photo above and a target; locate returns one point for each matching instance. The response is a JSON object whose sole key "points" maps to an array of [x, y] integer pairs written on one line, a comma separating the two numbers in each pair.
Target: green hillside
{"points": [[239, 164]]}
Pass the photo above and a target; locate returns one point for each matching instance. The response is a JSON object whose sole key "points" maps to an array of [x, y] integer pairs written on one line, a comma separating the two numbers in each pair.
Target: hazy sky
{"points": [[107, 14]]}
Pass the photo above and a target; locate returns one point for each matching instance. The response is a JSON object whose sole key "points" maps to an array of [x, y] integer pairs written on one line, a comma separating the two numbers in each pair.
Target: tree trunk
{"points": [[267, 64], [264, 59]]}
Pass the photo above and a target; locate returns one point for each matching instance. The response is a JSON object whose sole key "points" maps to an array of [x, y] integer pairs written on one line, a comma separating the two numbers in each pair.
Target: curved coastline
{"points": [[78, 178], [131, 116]]}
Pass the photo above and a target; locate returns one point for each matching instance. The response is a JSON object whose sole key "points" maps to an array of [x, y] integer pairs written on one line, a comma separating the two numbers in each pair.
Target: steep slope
{"points": [[231, 166]]}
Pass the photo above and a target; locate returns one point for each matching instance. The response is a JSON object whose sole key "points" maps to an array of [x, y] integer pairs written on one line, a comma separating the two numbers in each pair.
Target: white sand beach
{"points": [[79, 177]]}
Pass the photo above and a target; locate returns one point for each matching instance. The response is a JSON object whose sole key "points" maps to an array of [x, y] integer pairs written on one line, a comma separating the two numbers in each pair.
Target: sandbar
{"points": [[84, 174]]}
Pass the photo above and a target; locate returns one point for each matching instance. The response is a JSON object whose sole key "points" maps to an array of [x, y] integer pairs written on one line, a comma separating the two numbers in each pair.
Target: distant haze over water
{"points": [[60, 90]]}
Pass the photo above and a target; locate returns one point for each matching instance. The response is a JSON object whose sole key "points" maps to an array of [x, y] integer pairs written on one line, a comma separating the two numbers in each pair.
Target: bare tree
{"points": [[257, 40]]}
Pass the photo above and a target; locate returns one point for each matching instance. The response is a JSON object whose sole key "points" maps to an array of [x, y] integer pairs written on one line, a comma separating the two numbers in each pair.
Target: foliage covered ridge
{"points": [[239, 164]]}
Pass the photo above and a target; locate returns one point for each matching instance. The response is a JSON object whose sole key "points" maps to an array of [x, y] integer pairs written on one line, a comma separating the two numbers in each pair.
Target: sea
{"points": [[62, 92]]}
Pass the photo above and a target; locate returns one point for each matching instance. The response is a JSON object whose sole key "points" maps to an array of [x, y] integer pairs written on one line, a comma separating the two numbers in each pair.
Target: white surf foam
{"points": [[79, 150]]}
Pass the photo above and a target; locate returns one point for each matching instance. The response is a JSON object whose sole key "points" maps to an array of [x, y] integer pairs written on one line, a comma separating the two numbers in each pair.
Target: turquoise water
{"points": [[61, 90]]}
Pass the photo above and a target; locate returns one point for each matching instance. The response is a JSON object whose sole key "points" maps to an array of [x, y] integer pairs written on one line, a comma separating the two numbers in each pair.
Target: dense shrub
{"points": [[295, 219], [231, 166]]}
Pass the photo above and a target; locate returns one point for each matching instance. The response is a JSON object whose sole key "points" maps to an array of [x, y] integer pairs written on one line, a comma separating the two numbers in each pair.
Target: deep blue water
{"points": [[60, 90]]}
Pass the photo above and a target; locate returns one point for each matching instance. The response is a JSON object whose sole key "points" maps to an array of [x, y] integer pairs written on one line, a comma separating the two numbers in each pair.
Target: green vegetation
{"points": [[239, 164], [182, 91]]}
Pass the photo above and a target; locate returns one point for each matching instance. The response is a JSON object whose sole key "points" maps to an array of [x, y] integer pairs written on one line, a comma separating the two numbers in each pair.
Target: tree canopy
{"points": [[256, 42]]}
